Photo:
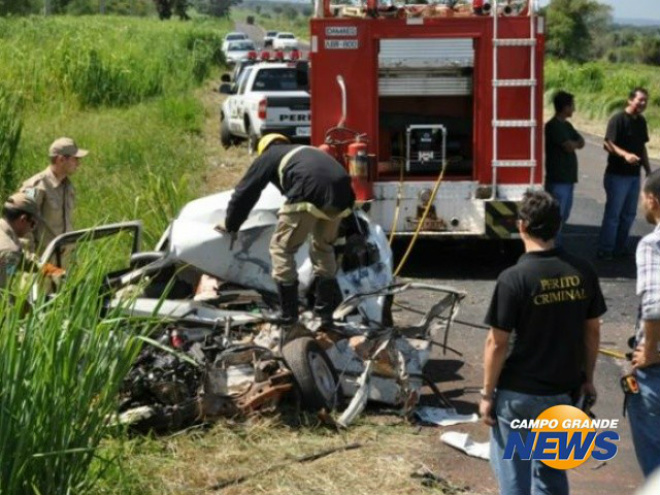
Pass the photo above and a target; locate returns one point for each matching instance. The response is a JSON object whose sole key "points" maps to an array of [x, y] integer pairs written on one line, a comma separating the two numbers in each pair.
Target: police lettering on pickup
{"points": [[267, 97]]}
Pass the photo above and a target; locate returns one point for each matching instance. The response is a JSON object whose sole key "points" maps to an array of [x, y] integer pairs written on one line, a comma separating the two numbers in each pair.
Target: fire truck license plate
{"points": [[303, 131]]}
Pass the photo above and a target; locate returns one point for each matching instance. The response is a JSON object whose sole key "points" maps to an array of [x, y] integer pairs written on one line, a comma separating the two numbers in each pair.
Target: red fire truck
{"points": [[435, 110]]}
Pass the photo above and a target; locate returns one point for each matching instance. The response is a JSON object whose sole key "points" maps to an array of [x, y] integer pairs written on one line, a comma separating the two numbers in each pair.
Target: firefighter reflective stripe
{"points": [[285, 161], [313, 210], [304, 206], [501, 219]]}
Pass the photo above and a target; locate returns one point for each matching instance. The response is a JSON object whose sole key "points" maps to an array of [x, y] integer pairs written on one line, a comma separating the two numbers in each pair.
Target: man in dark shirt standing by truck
{"points": [[561, 164], [625, 142]]}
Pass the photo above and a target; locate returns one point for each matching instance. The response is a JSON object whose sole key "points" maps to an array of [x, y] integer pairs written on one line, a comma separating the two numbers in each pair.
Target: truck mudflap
{"points": [[501, 219]]}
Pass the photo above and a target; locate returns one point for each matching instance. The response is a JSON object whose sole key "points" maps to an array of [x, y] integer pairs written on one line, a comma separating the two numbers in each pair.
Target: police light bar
{"points": [[265, 55], [294, 55], [252, 55], [279, 55]]}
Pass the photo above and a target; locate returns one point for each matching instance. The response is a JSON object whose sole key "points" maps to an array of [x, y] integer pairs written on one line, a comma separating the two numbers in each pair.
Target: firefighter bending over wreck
{"points": [[318, 195]]}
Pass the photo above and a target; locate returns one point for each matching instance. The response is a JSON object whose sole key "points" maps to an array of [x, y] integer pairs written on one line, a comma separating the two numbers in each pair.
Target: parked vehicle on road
{"points": [[268, 38], [285, 41], [239, 50], [440, 114], [235, 36], [269, 97]]}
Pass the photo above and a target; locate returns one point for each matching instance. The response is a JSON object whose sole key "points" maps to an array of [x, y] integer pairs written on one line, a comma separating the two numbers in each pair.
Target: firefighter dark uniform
{"points": [[318, 195]]}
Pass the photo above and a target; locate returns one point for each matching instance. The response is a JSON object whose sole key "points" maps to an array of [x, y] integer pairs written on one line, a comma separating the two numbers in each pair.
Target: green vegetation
{"points": [[582, 31], [124, 88], [61, 368], [602, 88]]}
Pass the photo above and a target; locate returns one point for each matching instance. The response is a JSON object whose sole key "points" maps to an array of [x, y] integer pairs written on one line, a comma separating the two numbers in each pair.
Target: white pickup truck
{"points": [[267, 97]]}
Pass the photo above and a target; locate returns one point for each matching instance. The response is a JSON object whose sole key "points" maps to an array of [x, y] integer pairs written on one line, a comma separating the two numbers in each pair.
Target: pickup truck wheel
{"points": [[225, 136], [253, 142], [314, 374]]}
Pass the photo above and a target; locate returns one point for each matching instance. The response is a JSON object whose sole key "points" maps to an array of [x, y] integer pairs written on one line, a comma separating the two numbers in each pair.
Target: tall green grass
{"points": [[126, 89], [61, 368], [11, 124], [602, 88]]}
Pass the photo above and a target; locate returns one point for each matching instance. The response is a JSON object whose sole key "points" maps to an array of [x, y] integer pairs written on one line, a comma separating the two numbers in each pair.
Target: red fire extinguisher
{"points": [[358, 169]]}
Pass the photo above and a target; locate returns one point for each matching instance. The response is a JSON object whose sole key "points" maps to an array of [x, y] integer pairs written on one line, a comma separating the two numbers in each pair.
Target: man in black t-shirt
{"points": [[625, 142], [561, 163], [546, 309]]}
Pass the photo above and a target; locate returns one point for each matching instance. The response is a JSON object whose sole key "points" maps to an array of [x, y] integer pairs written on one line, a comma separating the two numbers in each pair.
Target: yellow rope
{"points": [[421, 220]]}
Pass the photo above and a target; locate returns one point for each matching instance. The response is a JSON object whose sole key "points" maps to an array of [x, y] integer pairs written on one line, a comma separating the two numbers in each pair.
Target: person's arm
{"points": [[247, 192], [648, 266], [591, 345], [645, 161], [647, 353], [612, 148], [495, 352]]}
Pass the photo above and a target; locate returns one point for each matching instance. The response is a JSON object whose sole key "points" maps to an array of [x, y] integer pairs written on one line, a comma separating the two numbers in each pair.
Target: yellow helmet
{"points": [[269, 139]]}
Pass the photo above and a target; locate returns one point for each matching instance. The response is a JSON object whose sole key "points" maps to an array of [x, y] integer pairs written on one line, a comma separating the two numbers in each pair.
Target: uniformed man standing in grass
{"points": [[19, 216], [54, 193], [318, 195]]}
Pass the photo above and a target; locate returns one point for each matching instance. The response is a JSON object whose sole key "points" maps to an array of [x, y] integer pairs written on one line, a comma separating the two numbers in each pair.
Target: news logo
{"points": [[563, 437]]}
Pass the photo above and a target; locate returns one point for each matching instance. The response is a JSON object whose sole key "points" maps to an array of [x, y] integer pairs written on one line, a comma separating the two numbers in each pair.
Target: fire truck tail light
{"points": [[263, 106]]}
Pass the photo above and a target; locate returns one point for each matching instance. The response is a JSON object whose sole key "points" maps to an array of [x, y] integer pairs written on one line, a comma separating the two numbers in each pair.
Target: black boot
{"points": [[288, 303], [326, 299]]}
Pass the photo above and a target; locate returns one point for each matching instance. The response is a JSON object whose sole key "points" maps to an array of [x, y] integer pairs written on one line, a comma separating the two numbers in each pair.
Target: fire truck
{"points": [[435, 110]]}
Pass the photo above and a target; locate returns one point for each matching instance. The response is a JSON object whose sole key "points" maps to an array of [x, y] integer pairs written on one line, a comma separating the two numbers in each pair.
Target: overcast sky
{"points": [[630, 9]]}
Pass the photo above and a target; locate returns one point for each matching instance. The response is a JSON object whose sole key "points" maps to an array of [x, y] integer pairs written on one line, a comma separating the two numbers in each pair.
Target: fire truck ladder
{"points": [[498, 123]]}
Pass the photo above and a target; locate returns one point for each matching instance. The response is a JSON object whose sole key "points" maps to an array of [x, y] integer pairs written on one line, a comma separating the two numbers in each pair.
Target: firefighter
{"points": [[318, 195]]}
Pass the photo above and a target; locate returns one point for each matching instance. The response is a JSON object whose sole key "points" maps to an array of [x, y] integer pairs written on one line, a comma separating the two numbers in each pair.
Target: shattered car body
{"points": [[215, 353]]}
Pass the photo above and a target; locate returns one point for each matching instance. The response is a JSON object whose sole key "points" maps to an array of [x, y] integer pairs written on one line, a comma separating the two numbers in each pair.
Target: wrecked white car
{"points": [[215, 352]]}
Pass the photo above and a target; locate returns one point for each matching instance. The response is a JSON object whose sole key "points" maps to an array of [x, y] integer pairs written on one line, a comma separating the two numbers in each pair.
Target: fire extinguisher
{"points": [[358, 169]]}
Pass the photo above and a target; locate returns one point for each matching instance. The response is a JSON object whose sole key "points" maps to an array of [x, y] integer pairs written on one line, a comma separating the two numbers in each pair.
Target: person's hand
{"points": [[222, 229], [641, 357], [486, 411], [631, 158]]}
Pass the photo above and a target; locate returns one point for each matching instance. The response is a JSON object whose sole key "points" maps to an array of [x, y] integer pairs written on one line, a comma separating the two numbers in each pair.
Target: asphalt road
{"points": [[474, 267]]}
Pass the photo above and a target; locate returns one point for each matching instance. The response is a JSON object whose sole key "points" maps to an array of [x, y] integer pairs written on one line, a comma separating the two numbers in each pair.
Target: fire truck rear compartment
{"points": [[425, 82]]}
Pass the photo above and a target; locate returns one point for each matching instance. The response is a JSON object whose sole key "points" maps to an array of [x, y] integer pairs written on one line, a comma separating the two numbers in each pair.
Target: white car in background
{"points": [[268, 38], [239, 50], [235, 36], [285, 41]]}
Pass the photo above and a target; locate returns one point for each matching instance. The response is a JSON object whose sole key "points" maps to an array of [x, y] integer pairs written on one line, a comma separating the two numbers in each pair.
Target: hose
{"points": [[413, 240], [397, 209]]}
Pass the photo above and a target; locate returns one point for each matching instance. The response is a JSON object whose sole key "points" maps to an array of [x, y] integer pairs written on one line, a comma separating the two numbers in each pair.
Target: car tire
{"points": [[313, 373], [225, 136]]}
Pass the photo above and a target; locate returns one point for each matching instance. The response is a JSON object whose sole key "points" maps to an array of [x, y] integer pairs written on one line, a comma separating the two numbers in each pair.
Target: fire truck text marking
{"points": [[341, 44]]}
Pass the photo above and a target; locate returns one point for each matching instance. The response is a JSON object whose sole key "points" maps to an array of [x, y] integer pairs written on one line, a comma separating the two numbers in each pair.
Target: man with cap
{"points": [[318, 195], [19, 216], [53, 191]]}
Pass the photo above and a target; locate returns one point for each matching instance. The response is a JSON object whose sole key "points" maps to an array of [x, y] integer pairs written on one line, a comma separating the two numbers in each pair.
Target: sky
{"points": [[630, 9]]}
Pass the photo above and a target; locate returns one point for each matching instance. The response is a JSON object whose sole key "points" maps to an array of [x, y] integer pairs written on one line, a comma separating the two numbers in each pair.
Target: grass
{"points": [[61, 368], [126, 89], [232, 450], [601, 89]]}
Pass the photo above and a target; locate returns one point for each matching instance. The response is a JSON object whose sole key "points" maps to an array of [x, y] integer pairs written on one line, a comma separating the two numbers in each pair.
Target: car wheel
{"points": [[314, 374], [253, 142], [225, 136]]}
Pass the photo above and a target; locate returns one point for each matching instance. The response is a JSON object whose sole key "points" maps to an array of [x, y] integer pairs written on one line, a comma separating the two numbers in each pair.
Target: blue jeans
{"points": [[563, 193], [620, 210], [516, 476], [644, 417]]}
